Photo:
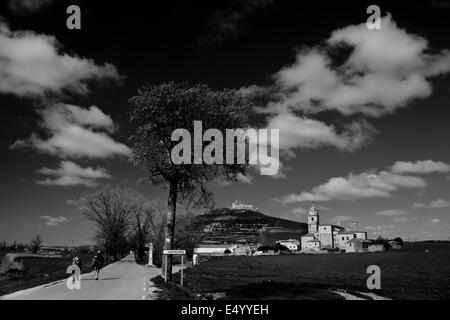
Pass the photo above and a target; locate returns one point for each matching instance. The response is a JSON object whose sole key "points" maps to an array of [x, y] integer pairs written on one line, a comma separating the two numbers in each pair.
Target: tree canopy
{"points": [[159, 110]]}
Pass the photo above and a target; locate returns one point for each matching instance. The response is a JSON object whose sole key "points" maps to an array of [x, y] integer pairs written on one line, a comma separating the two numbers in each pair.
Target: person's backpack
{"points": [[95, 261]]}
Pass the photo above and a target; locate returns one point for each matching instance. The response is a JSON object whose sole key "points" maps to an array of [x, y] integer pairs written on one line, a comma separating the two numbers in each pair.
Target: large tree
{"points": [[159, 110], [110, 208]]}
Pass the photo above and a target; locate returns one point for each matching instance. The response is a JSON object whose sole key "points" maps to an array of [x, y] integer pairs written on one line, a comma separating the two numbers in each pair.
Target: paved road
{"points": [[123, 280]]}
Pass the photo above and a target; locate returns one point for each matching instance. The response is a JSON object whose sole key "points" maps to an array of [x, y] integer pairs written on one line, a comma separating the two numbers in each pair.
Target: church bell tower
{"points": [[313, 220]]}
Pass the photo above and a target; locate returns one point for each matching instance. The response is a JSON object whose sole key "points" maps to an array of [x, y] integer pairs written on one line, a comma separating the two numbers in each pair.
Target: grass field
{"points": [[41, 271], [410, 273]]}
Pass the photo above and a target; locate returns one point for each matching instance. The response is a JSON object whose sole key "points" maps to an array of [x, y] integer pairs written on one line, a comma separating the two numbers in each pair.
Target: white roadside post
{"points": [[150, 255], [194, 259]]}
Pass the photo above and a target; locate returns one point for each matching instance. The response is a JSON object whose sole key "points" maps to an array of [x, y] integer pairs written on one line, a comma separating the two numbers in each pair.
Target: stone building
{"points": [[291, 244], [327, 237], [357, 245], [313, 220], [342, 238], [313, 245]]}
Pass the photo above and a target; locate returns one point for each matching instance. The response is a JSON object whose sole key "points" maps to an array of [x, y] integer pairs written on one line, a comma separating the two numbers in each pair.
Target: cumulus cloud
{"points": [[54, 221], [434, 221], [75, 132], [385, 70], [420, 167], [302, 197], [357, 186], [391, 213], [404, 219], [71, 202], [339, 220], [307, 133], [382, 71], [32, 65], [436, 204], [70, 174]]}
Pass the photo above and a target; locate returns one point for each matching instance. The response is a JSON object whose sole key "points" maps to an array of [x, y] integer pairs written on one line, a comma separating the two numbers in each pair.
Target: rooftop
{"points": [[308, 235]]}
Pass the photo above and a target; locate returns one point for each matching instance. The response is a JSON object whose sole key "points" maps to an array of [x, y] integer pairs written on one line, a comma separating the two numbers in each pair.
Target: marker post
{"points": [[174, 252]]}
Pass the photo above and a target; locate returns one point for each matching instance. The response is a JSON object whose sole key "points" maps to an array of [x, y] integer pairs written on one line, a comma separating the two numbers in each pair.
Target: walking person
{"points": [[97, 263], [76, 262]]}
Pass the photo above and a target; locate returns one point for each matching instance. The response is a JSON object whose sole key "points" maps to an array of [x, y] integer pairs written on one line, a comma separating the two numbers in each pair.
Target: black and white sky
{"points": [[363, 114]]}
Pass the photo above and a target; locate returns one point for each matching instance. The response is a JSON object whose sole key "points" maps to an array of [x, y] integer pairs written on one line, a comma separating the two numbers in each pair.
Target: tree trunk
{"points": [[106, 251], [169, 231]]}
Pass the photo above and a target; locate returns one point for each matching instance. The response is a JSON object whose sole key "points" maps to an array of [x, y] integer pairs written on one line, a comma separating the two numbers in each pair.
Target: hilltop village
{"points": [[237, 237]]}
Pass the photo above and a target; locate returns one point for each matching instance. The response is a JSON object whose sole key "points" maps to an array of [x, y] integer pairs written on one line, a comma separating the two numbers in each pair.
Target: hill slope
{"points": [[246, 226]]}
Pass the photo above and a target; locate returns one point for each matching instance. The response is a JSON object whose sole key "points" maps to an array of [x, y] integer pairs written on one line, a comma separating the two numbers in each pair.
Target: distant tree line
{"points": [[276, 248], [125, 220], [32, 247], [387, 243], [12, 247]]}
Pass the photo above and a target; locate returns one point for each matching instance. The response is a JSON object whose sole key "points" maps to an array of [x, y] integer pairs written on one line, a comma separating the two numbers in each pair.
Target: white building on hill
{"points": [[237, 205], [321, 237]]}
